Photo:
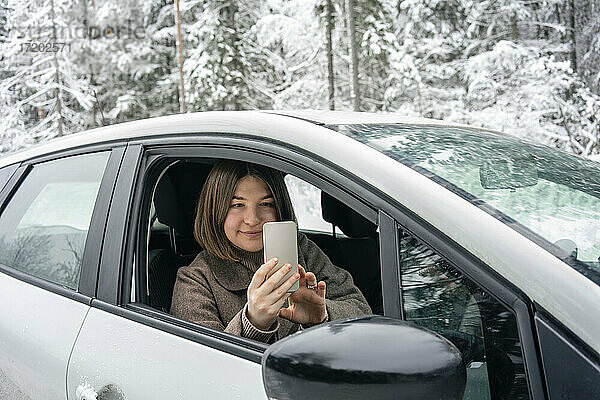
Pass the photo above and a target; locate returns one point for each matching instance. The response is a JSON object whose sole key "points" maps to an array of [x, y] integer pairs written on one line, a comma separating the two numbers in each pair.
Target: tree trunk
{"points": [[88, 62], [328, 34], [514, 27], [573, 35], [182, 108], [57, 91], [557, 11], [233, 10], [354, 54], [586, 40]]}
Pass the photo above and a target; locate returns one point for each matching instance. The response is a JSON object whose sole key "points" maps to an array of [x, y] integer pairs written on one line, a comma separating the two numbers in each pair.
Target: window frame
{"points": [[484, 276], [131, 203], [90, 260]]}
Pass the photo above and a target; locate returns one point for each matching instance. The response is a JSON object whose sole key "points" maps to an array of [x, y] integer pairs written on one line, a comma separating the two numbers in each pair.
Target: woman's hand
{"points": [[266, 296], [307, 306]]}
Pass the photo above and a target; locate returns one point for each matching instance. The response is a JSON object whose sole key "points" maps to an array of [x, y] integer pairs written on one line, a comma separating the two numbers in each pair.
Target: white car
{"points": [[477, 252]]}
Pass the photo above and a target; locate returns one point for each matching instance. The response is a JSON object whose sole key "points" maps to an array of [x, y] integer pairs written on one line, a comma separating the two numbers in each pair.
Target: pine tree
{"points": [[386, 68], [217, 67], [586, 40], [286, 51], [139, 77], [43, 84]]}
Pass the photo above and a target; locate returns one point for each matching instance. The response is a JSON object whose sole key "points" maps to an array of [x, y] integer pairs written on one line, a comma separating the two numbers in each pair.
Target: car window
{"points": [[44, 226], [306, 199], [440, 298], [171, 243], [5, 174]]}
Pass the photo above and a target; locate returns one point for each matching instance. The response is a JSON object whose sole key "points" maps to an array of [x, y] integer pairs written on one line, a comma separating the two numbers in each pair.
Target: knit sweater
{"points": [[213, 292]]}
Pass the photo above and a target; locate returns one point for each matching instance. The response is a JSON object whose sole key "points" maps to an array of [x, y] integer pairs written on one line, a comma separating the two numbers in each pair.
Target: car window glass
{"points": [[44, 226], [440, 298], [545, 194], [306, 200], [5, 174]]}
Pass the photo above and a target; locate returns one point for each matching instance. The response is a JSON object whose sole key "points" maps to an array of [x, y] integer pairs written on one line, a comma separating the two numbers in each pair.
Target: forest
{"points": [[524, 67]]}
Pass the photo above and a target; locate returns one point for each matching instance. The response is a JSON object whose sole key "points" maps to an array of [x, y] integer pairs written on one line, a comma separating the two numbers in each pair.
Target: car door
{"points": [[126, 347], [128, 350], [52, 212]]}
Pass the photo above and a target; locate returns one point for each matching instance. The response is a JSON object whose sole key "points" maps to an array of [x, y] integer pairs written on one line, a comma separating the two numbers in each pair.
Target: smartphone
{"points": [[280, 239]]}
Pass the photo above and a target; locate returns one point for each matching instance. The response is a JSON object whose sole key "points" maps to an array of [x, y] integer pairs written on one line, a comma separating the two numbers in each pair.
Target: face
{"points": [[251, 207]]}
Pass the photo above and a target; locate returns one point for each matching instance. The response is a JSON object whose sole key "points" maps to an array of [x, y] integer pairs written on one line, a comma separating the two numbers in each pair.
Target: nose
{"points": [[251, 216]]}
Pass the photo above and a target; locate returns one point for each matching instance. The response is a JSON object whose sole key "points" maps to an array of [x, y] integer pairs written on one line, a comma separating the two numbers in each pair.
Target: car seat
{"points": [[175, 200], [358, 252]]}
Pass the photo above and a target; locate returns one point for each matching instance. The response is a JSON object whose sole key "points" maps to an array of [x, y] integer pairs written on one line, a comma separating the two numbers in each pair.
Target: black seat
{"points": [[162, 272], [358, 253], [175, 203]]}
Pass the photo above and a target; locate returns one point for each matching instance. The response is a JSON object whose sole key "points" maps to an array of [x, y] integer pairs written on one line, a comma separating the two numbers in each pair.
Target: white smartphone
{"points": [[280, 239]]}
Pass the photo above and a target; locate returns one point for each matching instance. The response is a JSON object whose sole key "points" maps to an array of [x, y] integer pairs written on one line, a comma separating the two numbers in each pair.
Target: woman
{"points": [[226, 286]]}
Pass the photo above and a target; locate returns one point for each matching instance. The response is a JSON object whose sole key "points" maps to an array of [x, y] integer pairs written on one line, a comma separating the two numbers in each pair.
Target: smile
{"points": [[252, 234]]}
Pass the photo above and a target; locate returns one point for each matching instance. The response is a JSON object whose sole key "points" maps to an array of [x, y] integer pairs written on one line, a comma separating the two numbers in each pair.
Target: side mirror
{"points": [[369, 357]]}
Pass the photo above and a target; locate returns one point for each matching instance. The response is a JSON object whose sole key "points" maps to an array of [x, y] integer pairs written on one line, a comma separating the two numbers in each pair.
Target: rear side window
{"points": [[44, 226], [306, 200]]}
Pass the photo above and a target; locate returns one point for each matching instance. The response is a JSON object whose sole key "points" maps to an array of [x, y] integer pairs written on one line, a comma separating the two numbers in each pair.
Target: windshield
{"points": [[549, 196]]}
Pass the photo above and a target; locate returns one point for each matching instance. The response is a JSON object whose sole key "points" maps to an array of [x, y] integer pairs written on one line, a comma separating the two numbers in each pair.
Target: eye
{"points": [[267, 204], [237, 205]]}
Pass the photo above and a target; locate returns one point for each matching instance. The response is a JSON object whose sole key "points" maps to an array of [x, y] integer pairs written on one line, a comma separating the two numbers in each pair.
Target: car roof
{"points": [[181, 123], [329, 117]]}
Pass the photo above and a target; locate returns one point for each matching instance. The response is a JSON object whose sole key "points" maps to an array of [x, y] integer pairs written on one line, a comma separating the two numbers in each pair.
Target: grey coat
{"points": [[212, 292]]}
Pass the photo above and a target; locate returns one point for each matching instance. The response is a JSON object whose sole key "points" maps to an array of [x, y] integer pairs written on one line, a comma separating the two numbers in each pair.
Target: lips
{"points": [[251, 234]]}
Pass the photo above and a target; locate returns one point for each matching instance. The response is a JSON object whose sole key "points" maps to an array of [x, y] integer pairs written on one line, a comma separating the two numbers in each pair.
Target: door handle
{"points": [[86, 392], [108, 392]]}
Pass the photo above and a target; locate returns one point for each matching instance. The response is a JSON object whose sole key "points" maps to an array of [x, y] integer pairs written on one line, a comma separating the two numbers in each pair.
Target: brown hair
{"points": [[215, 198]]}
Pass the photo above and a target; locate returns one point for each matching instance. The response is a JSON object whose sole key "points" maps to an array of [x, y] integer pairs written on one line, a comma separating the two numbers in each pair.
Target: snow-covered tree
{"points": [[525, 67], [43, 83], [587, 41], [139, 78], [217, 65], [387, 69]]}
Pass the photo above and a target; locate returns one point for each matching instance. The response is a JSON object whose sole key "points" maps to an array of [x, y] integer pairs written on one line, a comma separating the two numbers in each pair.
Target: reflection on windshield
{"points": [[553, 195]]}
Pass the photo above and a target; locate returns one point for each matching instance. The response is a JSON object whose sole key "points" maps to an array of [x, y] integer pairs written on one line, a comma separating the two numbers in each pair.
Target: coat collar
{"points": [[232, 275], [235, 276]]}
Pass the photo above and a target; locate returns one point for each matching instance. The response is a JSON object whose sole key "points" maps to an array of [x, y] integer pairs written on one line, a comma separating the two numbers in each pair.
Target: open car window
{"points": [[171, 244]]}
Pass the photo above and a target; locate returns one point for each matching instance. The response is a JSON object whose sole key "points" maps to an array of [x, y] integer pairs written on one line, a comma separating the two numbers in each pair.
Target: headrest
{"points": [[349, 221], [177, 193], [167, 204]]}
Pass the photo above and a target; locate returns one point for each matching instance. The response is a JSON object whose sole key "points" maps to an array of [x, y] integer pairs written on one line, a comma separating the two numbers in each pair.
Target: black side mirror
{"points": [[369, 357]]}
